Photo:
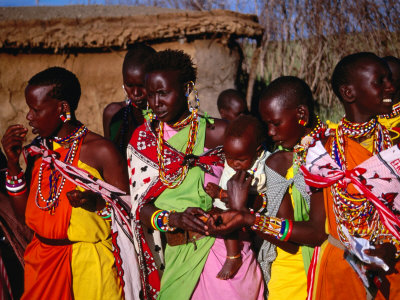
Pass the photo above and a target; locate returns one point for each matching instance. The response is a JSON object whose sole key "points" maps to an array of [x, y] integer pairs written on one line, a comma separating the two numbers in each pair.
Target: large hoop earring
{"points": [[192, 107]]}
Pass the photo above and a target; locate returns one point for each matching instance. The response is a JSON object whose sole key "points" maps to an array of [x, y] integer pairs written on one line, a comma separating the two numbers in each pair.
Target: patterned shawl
{"points": [[378, 178]]}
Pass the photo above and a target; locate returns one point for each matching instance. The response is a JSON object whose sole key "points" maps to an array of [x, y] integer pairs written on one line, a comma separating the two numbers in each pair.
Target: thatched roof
{"points": [[99, 27]]}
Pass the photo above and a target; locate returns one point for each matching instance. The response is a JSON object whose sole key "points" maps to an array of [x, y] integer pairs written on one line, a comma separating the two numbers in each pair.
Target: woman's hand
{"points": [[221, 223], [238, 189], [386, 252], [193, 219], [12, 144], [87, 200]]}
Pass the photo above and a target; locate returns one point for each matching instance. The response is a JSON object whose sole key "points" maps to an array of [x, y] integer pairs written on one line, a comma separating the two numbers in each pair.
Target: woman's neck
{"points": [[66, 129]]}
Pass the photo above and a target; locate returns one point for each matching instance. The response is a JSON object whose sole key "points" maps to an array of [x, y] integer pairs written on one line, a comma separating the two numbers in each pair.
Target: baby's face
{"points": [[239, 153]]}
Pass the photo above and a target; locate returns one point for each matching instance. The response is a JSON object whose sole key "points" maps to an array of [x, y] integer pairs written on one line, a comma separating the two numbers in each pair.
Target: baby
{"points": [[244, 151]]}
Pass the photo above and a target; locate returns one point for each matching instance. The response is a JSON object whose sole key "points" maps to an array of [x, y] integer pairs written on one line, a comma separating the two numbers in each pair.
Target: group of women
{"points": [[173, 153]]}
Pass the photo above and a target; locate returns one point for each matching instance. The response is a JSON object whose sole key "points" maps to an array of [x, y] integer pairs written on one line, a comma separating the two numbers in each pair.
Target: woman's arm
{"points": [[102, 155], [310, 232], [12, 145]]}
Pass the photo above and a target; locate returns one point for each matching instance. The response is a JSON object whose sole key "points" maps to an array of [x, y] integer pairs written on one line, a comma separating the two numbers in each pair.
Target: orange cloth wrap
{"points": [[335, 277], [48, 268]]}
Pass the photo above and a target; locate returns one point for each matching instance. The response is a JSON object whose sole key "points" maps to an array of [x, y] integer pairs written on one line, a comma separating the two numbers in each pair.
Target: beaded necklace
{"points": [[354, 211], [382, 139], [51, 202], [395, 112], [300, 150], [175, 181]]}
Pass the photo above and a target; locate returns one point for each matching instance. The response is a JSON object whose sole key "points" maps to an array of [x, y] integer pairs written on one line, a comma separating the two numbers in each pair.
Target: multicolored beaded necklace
{"points": [[300, 150], [175, 181], [353, 211], [395, 112], [51, 202], [382, 139]]}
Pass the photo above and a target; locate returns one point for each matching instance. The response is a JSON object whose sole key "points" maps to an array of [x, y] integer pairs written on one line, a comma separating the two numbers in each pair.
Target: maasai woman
{"points": [[70, 256], [120, 119], [362, 83], [287, 107], [168, 176]]}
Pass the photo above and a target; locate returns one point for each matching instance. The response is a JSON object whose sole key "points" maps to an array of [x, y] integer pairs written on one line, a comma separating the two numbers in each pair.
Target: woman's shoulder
{"points": [[97, 146], [112, 108], [280, 161], [215, 131]]}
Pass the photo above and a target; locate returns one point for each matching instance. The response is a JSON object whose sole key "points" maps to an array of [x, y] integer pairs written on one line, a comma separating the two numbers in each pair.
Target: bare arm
{"points": [[102, 155], [215, 133], [12, 144]]}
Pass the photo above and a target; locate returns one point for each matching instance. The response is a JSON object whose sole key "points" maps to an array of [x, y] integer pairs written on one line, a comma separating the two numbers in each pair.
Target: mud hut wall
{"points": [[101, 79]]}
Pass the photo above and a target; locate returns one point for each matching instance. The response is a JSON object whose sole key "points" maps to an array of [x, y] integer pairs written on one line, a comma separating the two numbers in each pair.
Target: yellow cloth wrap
{"points": [[390, 123], [92, 264], [288, 278]]}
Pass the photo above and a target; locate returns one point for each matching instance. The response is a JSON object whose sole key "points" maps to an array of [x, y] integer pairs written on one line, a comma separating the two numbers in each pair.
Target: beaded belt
{"points": [[180, 237], [54, 242]]}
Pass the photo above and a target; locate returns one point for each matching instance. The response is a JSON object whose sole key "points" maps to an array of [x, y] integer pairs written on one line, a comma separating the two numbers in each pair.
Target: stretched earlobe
{"points": [[347, 93], [303, 115]]}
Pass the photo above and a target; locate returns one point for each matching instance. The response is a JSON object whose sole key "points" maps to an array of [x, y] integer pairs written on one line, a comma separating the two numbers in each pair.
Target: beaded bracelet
{"points": [[20, 175], [152, 218], [277, 227], [160, 220], [13, 194], [267, 225], [264, 204], [15, 184], [284, 230], [289, 233], [105, 213]]}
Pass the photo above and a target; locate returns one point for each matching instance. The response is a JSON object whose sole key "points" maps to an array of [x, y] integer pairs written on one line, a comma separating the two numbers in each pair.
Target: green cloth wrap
{"points": [[183, 264]]}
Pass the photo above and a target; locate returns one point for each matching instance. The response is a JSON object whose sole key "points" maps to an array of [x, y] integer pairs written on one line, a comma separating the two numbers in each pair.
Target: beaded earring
{"points": [[66, 118], [302, 122], [150, 114], [127, 100]]}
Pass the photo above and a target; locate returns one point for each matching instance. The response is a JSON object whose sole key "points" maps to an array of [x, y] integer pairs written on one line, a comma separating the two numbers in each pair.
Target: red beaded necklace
{"points": [[175, 181]]}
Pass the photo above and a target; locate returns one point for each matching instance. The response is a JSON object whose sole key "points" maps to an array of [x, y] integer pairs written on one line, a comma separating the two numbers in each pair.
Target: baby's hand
{"points": [[213, 190]]}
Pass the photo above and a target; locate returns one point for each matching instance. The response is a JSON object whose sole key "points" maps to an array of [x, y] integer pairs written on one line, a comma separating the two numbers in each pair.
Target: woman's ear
{"points": [[303, 114], [347, 93], [64, 107]]}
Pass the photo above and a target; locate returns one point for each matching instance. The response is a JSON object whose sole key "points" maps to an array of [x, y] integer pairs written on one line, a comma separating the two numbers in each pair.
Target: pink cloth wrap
{"points": [[247, 283]]}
